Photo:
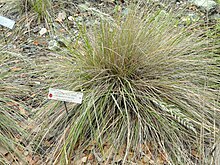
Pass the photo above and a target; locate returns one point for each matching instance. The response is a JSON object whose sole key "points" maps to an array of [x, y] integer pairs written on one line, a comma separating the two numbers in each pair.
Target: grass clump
{"points": [[38, 9], [144, 80], [11, 121], [9, 129]]}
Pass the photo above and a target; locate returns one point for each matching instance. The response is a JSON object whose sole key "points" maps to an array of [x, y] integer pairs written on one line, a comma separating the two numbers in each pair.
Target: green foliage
{"points": [[41, 7], [144, 81]]}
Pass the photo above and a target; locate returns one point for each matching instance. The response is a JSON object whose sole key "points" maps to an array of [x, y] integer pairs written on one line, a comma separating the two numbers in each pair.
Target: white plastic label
{"points": [[64, 95], [7, 22]]}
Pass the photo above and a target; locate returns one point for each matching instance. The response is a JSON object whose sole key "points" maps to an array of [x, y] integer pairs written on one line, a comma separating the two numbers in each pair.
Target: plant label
{"points": [[64, 95], [7, 22]]}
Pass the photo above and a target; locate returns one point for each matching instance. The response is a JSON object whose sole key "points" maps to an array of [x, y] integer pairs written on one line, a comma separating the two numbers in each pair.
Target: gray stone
{"points": [[215, 16], [205, 5], [53, 45]]}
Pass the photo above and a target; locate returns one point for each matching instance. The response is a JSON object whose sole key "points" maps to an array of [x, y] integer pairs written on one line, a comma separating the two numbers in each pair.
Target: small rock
{"points": [[84, 159], [71, 18], [125, 11], [205, 5], [37, 82], [43, 31], [53, 45], [61, 16], [26, 153]]}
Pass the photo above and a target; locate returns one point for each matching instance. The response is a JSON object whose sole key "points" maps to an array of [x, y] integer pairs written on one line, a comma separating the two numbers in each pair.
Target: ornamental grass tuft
{"points": [[145, 80], [11, 121]]}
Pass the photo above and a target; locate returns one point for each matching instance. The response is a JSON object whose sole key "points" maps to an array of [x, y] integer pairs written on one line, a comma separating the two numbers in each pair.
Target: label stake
{"points": [[4, 35], [66, 108]]}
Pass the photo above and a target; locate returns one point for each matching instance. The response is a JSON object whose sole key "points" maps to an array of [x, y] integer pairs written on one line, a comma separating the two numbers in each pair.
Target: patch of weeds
{"points": [[41, 7], [28, 15], [144, 80]]}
